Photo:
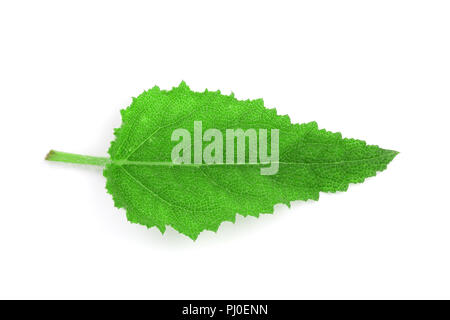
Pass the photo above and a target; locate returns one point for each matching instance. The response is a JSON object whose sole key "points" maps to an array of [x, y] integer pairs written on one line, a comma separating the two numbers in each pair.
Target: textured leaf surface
{"points": [[196, 198]]}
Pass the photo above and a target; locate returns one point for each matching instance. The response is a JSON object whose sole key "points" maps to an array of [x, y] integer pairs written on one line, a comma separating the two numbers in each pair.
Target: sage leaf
{"points": [[191, 194]]}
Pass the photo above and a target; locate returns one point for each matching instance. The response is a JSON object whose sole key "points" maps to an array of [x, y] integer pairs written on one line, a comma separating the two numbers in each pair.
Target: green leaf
{"points": [[155, 192]]}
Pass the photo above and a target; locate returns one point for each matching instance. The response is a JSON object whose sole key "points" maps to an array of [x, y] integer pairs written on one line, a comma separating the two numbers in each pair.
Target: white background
{"points": [[373, 70]]}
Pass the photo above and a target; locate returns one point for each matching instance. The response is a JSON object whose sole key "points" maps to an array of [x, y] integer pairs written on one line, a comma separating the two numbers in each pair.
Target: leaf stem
{"points": [[76, 158]]}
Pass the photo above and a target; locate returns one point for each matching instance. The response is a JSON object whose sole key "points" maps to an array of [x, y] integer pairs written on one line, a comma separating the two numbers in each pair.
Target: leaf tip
{"points": [[393, 153]]}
